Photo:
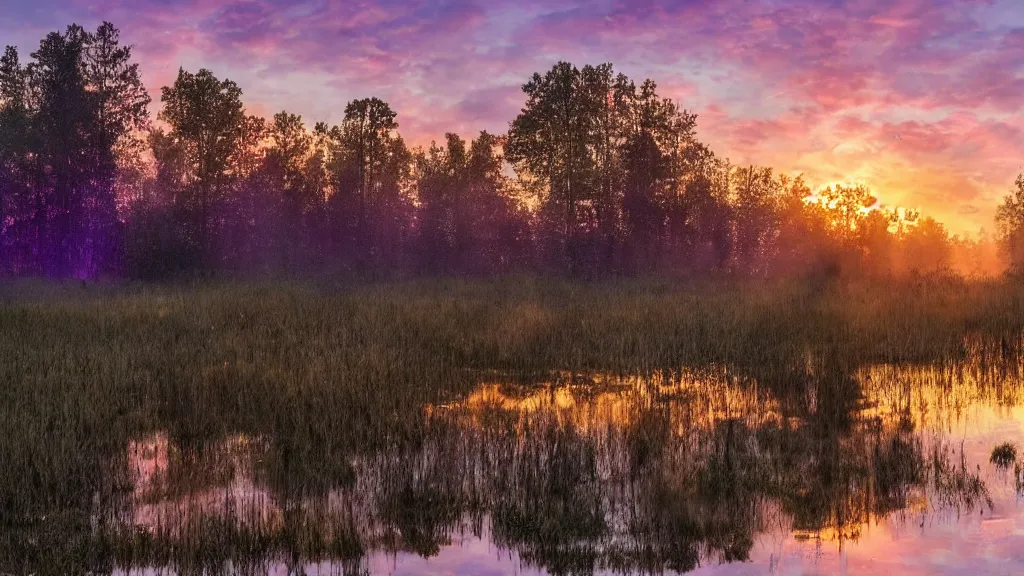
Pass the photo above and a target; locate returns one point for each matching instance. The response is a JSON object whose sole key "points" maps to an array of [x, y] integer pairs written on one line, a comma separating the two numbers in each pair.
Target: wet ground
{"points": [[817, 470]]}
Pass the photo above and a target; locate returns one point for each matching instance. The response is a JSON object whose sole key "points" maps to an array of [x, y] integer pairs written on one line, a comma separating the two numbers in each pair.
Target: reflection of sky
{"points": [[469, 556], [927, 538], [809, 85], [939, 543], [936, 541]]}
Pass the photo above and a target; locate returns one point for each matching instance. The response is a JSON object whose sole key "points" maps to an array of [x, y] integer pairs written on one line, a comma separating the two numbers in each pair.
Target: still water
{"points": [[817, 470]]}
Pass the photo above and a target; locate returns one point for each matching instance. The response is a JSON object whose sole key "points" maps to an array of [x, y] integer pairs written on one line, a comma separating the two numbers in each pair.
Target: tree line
{"points": [[597, 175]]}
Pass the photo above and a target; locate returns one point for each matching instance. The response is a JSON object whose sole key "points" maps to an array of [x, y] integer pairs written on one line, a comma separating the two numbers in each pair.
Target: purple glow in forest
{"points": [[597, 175]]}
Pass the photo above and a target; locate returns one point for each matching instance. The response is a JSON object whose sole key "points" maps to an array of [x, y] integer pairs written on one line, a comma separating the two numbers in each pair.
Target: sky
{"points": [[922, 100]]}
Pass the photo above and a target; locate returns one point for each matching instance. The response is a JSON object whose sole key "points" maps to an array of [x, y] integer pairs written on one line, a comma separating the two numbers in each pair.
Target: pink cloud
{"points": [[819, 86]]}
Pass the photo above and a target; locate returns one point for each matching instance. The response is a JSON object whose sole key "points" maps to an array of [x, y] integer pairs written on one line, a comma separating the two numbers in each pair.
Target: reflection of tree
{"points": [[575, 479], [549, 503], [691, 512]]}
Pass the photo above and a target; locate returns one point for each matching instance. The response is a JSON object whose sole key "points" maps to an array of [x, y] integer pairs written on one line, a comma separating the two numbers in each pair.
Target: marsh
{"points": [[518, 425]]}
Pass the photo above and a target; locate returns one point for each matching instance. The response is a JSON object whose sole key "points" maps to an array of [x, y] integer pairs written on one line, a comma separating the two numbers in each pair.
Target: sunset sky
{"points": [[920, 99]]}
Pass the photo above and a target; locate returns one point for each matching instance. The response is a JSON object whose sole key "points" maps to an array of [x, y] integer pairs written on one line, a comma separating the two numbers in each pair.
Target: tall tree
{"points": [[643, 204], [658, 134], [371, 205], [552, 139], [16, 166], [847, 205], [121, 114], [441, 179], [803, 243], [498, 224], [468, 221], [607, 154], [207, 119], [755, 214], [286, 165], [121, 98], [158, 243], [65, 121], [1010, 225], [701, 216], [926, 247]]}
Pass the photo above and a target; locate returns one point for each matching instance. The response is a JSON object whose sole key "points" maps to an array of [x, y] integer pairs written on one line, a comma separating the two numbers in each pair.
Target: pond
{"points": [[816, 469]]}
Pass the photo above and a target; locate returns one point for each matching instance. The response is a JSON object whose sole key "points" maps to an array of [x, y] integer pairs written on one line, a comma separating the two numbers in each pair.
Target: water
{"points": [[816, 470]]}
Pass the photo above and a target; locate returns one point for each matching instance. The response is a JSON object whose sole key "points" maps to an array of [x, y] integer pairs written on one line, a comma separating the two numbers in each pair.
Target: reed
{"points": [[322, 375]]}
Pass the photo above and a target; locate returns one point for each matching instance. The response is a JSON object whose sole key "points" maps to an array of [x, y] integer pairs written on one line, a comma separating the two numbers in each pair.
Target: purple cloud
{"points": [[813, 85]]}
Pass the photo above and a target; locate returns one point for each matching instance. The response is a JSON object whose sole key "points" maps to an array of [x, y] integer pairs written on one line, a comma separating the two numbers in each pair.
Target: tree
{"points": [[121, 109], [441, 175], [158, 244], [701, 216], [207, 119], [121, 99], [656, 134], [926, 247], [607, 156], [755, 215], [68, 129], [1010, 225], [876, 244], [804, 241], [468, 221], [552, 139], [248, 219], [286, 165], [65, 121], [17, 174], [500, 226], [644, 207], [370, 207], [847, 205], [610, 101]]}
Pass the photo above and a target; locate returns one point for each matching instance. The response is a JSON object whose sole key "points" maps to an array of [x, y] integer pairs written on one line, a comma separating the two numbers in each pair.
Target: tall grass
{"points": [[324, 373]]}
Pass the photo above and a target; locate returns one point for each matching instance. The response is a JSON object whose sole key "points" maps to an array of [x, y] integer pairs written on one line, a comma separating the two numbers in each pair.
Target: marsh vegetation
{"points": [[631, 426]]}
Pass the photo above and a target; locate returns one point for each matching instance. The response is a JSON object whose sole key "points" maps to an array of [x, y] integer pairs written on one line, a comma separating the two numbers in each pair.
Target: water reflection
{"points": [[580, 474]]}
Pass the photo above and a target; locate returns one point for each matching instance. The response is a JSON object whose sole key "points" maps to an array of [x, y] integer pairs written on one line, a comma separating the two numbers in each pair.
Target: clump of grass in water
{"points": [[1004, 455]]}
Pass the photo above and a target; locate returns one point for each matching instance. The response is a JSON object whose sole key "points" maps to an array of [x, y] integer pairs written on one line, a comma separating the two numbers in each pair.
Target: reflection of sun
{"points": [[698, 400]]}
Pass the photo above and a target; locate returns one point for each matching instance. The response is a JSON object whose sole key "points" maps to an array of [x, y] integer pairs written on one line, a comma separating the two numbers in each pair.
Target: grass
{"points": [[1004, 455], [324, 374]]}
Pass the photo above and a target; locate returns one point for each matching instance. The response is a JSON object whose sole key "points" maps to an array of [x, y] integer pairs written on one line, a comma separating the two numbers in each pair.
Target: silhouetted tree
{"points": [[876, 243], [848, 206], [370, 208], [206, 118], [658, 134], [468, 221], [286, 168], [621, 183], [19, 173], [65, 120], [552, 139], [926, 247], [755, 207], [609, 158], [1010, 225], [122, 113], [702, 214]]}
